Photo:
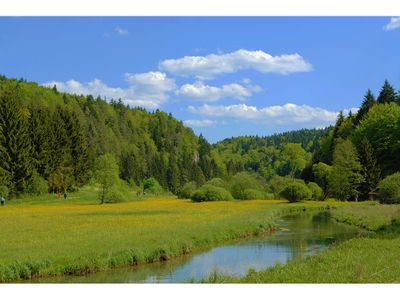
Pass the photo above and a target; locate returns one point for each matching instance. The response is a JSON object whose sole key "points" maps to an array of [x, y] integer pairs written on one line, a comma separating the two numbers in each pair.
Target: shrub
{"points": [[211, 193], [114, 195], [37, 185], [253, 194], [151, 185], [389, 189], [278, 183], [243, 181], [295, 191], [187, 190], [317, 193], [217, 182], [4, 191]]}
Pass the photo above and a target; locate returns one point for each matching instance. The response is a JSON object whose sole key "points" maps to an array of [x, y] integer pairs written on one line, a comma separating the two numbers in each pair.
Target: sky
{"points": [[222, 76]]}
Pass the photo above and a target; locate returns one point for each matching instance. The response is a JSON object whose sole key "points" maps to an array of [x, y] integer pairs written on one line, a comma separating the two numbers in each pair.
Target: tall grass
{"points": [[48, 236], [372, 259]]}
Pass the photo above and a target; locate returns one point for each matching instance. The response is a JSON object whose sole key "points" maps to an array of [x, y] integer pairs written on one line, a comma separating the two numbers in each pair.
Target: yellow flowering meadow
{"points": [[77, 237]]}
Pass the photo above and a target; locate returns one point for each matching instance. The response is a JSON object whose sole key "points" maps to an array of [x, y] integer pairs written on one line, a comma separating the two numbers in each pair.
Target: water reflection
{"points": [[298, 237]]}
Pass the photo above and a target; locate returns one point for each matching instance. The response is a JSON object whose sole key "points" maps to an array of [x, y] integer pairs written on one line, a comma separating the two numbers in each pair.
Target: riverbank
{"points": [[373, 259], [78, 236]]}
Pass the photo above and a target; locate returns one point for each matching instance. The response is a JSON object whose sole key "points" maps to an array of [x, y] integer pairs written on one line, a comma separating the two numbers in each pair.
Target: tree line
{"points": [[52, 141]]}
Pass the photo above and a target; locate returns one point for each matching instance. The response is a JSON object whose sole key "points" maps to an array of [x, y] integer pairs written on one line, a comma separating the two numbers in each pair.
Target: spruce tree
{"points": [[15, 149], [368, 102], [387, 94], [370, 166]]}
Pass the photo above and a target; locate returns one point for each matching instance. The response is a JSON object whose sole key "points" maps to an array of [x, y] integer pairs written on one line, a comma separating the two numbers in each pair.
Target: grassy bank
{"points": [[361, 260], [45, 237]]}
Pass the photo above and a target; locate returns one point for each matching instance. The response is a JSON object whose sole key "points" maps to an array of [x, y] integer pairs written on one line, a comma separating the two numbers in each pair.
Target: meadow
{"points": [[372, 259], [46, 236]]}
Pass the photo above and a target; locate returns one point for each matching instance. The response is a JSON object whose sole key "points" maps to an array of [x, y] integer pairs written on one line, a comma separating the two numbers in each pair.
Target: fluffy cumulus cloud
{"points": [[393, 24], [287, 114], [210, 66], [199, 123], [148, 90], [206, 93]]}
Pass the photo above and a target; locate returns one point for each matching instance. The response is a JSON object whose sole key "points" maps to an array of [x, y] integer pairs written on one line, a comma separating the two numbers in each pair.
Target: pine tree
{"points": [[368, 102], [370, 166], [387, 94], [15, 149]]}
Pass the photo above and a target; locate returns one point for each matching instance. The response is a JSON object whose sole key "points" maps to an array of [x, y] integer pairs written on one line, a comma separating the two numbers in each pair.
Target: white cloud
{"points": [[199, 123], [206, 93], [393, 24], [145, 89], [120, 31], [287, 114], [210, 66]]}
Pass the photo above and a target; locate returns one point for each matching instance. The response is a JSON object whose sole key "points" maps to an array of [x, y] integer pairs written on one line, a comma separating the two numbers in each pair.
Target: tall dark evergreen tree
{"points": [[368, 102], [15, 148], [387, 93]]}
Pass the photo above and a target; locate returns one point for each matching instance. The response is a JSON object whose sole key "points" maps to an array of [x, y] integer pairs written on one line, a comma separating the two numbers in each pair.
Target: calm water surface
{"points": [[297, 237]]}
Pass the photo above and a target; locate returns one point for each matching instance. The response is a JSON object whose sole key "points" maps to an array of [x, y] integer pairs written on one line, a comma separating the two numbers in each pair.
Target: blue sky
{"points": [[224, 76]]}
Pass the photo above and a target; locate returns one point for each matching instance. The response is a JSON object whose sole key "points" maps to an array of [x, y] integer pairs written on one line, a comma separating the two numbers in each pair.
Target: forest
{"points": [[58, 142]]}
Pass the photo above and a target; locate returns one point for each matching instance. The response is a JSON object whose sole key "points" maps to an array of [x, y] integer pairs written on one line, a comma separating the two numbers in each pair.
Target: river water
{"points": [[297, 237]]}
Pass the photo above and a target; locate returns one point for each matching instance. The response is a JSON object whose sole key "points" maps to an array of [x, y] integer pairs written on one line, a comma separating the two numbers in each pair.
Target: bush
{"points": [[114, 195], [389, 189], [243, 181], [317, 193], [253, 194], [211, 193], [187, 190], [151, 185], [217, 182], [4, 191], [295, 191], [278, 183], [37, 185]]}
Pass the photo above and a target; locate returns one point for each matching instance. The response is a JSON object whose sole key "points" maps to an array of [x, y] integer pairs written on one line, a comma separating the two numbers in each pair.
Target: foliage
{"points": [[187, 190], [370, 168], [151, 185], [295, 191], [243, 181], [37, 185], [106, 174], [253, 194], [210, 193], [389, 189], [295, 155], [346, 176], [4, 191], [218, 182], [387, 94], [316, 191], [322, 173], [381, 127]]}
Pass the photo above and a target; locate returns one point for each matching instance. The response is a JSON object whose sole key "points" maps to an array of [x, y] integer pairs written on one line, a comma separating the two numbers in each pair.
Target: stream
{"points": [[296, 237]]}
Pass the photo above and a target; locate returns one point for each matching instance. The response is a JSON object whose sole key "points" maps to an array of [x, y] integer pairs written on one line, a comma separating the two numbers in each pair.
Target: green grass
{"points": [[46, 236], [374, 259]]}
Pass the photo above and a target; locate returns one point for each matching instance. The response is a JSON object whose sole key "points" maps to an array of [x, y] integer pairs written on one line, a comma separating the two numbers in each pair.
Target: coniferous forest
{"points": [[49, 142]]}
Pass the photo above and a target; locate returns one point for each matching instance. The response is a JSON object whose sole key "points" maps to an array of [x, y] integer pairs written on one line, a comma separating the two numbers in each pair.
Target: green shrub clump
{"points": [[211, 193], [295, 191], [389, 189], [151, 185], [217, 182], [37, 185], [317, 193], [244, 181], [253, 194], [187, 190]]}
